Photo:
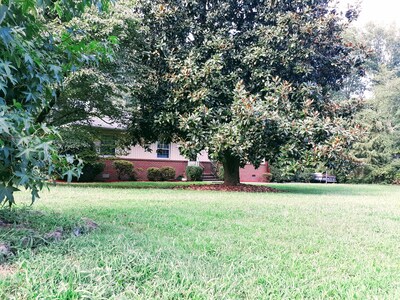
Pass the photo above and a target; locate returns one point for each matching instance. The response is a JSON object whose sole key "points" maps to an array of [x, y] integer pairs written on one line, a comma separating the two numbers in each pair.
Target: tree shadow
{"points": [[327, 189]]}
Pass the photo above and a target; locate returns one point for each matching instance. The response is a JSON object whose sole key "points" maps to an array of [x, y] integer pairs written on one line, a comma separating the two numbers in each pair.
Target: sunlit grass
{"points": [[311, 241]]}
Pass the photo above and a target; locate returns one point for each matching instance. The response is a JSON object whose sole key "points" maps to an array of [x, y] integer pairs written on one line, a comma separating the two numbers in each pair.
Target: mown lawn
{"points": [[311, 241]]}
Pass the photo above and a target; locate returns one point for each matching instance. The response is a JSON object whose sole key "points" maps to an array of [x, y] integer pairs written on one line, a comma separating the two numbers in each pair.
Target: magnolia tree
{"points": [[247, 81], [37, 52]]}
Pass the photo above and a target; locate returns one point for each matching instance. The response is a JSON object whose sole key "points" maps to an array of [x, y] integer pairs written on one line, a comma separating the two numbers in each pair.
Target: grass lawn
{"points": [[311, 241], [134, 184]]}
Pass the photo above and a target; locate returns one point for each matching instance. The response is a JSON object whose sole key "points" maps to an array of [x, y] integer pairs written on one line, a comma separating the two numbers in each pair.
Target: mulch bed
{"points": [[226, 188]]}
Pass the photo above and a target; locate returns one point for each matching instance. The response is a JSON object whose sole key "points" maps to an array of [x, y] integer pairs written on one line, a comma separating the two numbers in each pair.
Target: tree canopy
{"points": [[247, 81]]}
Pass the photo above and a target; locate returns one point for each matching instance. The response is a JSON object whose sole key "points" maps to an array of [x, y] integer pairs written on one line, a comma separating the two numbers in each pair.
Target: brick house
{"points": [[160, 155]]}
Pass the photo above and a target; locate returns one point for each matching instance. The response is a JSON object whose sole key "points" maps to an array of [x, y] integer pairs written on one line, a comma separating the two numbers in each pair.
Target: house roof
{"points": [[106, 123]]}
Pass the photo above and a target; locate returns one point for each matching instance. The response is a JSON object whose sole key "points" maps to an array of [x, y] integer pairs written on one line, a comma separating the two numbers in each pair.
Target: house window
{"points": [[107, 146], [162, 150]]}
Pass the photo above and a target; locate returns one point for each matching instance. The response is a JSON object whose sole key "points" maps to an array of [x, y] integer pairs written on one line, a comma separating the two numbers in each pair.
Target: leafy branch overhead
{"points": [[38, 53]]}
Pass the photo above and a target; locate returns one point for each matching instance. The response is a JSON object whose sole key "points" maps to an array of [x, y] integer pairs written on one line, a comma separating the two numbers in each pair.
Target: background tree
{"points": [[246, 81], [37, 53], [99, 90], [379, 149]]}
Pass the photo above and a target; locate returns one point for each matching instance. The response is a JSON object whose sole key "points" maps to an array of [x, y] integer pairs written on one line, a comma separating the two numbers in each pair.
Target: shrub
{"points": [[276, 174], [154, 174], [92, 166], [304, 176], [78, 141], [167, 173], [91, 170], [194, 173], [125, 170], [267, 177]]}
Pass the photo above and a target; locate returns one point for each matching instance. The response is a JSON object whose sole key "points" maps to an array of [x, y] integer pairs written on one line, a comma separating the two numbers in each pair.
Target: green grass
{"points": [[134, 184], [309, 242]]}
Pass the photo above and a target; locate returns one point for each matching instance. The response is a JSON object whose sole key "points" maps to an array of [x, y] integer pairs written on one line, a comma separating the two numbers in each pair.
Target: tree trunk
{"points": [[231, 166]]}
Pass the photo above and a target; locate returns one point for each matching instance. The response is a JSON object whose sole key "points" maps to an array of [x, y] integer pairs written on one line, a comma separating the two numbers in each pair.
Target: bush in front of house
{"points": [[90, 170], [154, 174], [167, 173], [194, 173], [267, 177], [125, 170], [92, 166], [77, 141]]}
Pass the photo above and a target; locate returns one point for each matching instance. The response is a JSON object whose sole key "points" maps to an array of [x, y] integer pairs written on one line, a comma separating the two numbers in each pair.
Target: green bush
{"points": [[376, 174], [276, 174], [91, 170], [267, 177], [194, 173], [304, 176], [78, 141], [154, 174], [125, 170], [92, 166], [167, 173]]}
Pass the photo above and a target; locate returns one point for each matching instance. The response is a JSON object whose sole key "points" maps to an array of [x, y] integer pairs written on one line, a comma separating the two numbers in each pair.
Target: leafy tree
{"points": [[36, 55], [246, 81], [78, 141], [378, 150], [99, 91]]}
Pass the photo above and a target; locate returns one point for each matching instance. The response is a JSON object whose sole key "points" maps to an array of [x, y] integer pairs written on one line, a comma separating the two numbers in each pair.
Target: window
{"points": [[162, 150], [107, 145]]}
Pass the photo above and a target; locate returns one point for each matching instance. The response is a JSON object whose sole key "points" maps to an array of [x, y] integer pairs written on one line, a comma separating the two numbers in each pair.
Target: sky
{"points": [[379, 11]]}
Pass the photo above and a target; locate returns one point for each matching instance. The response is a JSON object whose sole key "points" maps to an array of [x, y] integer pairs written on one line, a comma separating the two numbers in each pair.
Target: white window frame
{"points": [[164, 149]]}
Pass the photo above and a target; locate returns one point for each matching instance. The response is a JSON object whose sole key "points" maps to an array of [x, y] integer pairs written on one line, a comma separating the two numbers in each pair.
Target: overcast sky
{"points": [[380, 11]]}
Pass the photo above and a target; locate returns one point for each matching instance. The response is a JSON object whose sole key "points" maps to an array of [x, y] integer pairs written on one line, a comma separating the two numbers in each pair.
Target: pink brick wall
{"points": [[207, 166], [251, 174]]}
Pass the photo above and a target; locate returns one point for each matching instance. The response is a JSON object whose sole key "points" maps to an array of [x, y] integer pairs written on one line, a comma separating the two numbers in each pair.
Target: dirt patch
{"points": [[22, 234], [6, 270], [248, 188]]}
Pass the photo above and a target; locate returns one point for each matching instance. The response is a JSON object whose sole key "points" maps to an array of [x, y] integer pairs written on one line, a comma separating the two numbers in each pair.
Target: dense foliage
{"points": [[154, 174], [161, 174], [167, 173], [125, 170], [37, 53], [78, 142], [194, 173], [378, 152], [247, 81], [100, 91]]}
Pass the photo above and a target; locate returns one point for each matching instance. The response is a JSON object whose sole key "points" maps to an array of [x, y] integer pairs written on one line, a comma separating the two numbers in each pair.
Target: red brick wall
{"points": [[247, 174], [141, 167]]}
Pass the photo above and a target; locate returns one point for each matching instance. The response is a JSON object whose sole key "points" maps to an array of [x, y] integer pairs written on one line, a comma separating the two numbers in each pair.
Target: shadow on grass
{"points": [[292, 188], [25, 228], [328, 189]]}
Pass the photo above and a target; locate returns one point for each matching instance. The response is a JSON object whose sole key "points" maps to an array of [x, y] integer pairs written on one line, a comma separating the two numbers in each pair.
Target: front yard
{"points": [[310, 241]]}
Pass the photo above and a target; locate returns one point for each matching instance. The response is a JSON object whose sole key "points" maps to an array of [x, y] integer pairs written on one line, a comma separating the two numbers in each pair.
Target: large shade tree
{"points": [[38, 51], [247, 81]]}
